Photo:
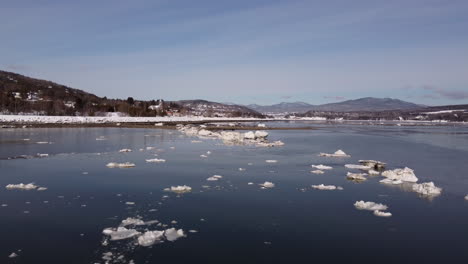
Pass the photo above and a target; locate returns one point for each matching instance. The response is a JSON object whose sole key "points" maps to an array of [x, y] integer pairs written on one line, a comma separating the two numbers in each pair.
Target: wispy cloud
{"points": [[438, 93]]}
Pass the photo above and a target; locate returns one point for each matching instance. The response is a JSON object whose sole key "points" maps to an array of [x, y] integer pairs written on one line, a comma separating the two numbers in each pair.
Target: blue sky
{"points": [[253, 51]]}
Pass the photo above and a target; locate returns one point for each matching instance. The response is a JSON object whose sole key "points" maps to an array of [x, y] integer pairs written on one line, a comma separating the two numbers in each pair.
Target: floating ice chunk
{"points": [[179, 189], [427, 188], [373, 163], [22, 186], [214, 178], [101, 138], [150, 237], [42, 155], [358, 167], [390, 181], [155, 160], [158, 124], [339, 153], [249, 135], [322, 167], [373, 172], [150, 148], [41, 188], [277, 143], [382, 214], [120, 233], [173, 234], [13, 255], [466, 198], [406, 174], [261, 125], [42, 142], [132, 221], [241, 169], [208, 152], [204, 133], [326, 187], [317, 171], [267, 184], [250, 183], [271, 161], [125, 150], [120, 165], [128, 203], [203, 156], [261, 134], [356, 176], [232, 136], [193, 231], [196, 141], [371, 206]]}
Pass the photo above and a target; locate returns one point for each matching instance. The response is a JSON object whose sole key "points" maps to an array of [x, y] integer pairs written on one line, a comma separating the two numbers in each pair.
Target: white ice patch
{"points": [[120, 165], [390, 181], [21, 186], [427, 189], [382, 214], [155, 160], [358, 167], [338, 154], [150, 237], [317, 171], [120, 233], [466, 197], [406, 174], [267, 184], [173, 234], [356, 176], [326, 187], [371, 206], [373, 172], [322, 167], [13, 255], [373, 163], [179, 189], [42, 155], [271, 161], [125, 150], [214, 178], [132, 221]]}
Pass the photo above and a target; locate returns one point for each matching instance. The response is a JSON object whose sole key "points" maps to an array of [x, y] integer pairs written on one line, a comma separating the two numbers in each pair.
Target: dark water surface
{"points": [[236, 222]]}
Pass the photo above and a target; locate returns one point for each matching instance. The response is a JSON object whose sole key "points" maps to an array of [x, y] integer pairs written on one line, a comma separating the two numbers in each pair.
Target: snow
{"points": [[371, 206], [338, 154], [120, 165], [155, 160], [173, 234], [112, 119], [427, 189], [261, 134], [150, 237], [406, 174], [21, 186], [356, 176], [382, 214], [444, 112], [326, 187], [267, 184], [249, 135]]}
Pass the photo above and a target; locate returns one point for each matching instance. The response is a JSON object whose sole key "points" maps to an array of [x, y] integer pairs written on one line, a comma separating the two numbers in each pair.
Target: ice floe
{"points": [[125, 150], [267, 184], [22, 186], [356, 176], [13, 255], [322, 167], [317, 171], [370, 206], [326, 187], [373, 172], [390, 181], [427, 189], [132, 221], [375, 164], [120, 233], [150, 238], [42, 155], [155, 160], [214, 178], [338, 154], [382, 214], [173, 234], [466, 197], [358, 167], [406, 174], [179, 189], [271, 161], [120, 165]]}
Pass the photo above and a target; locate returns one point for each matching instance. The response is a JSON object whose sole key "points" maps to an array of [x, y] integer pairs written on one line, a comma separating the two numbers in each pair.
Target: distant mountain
{"points": [[284, 107], [20, 94], [368, 104]]}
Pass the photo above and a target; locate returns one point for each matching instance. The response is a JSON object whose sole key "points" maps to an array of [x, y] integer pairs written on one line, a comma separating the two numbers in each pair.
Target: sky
{"points": [[243, 51]]}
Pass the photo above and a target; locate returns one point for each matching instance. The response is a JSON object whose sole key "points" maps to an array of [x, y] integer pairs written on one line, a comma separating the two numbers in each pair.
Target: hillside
{"points": [[363, 104], [24, 95]]}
